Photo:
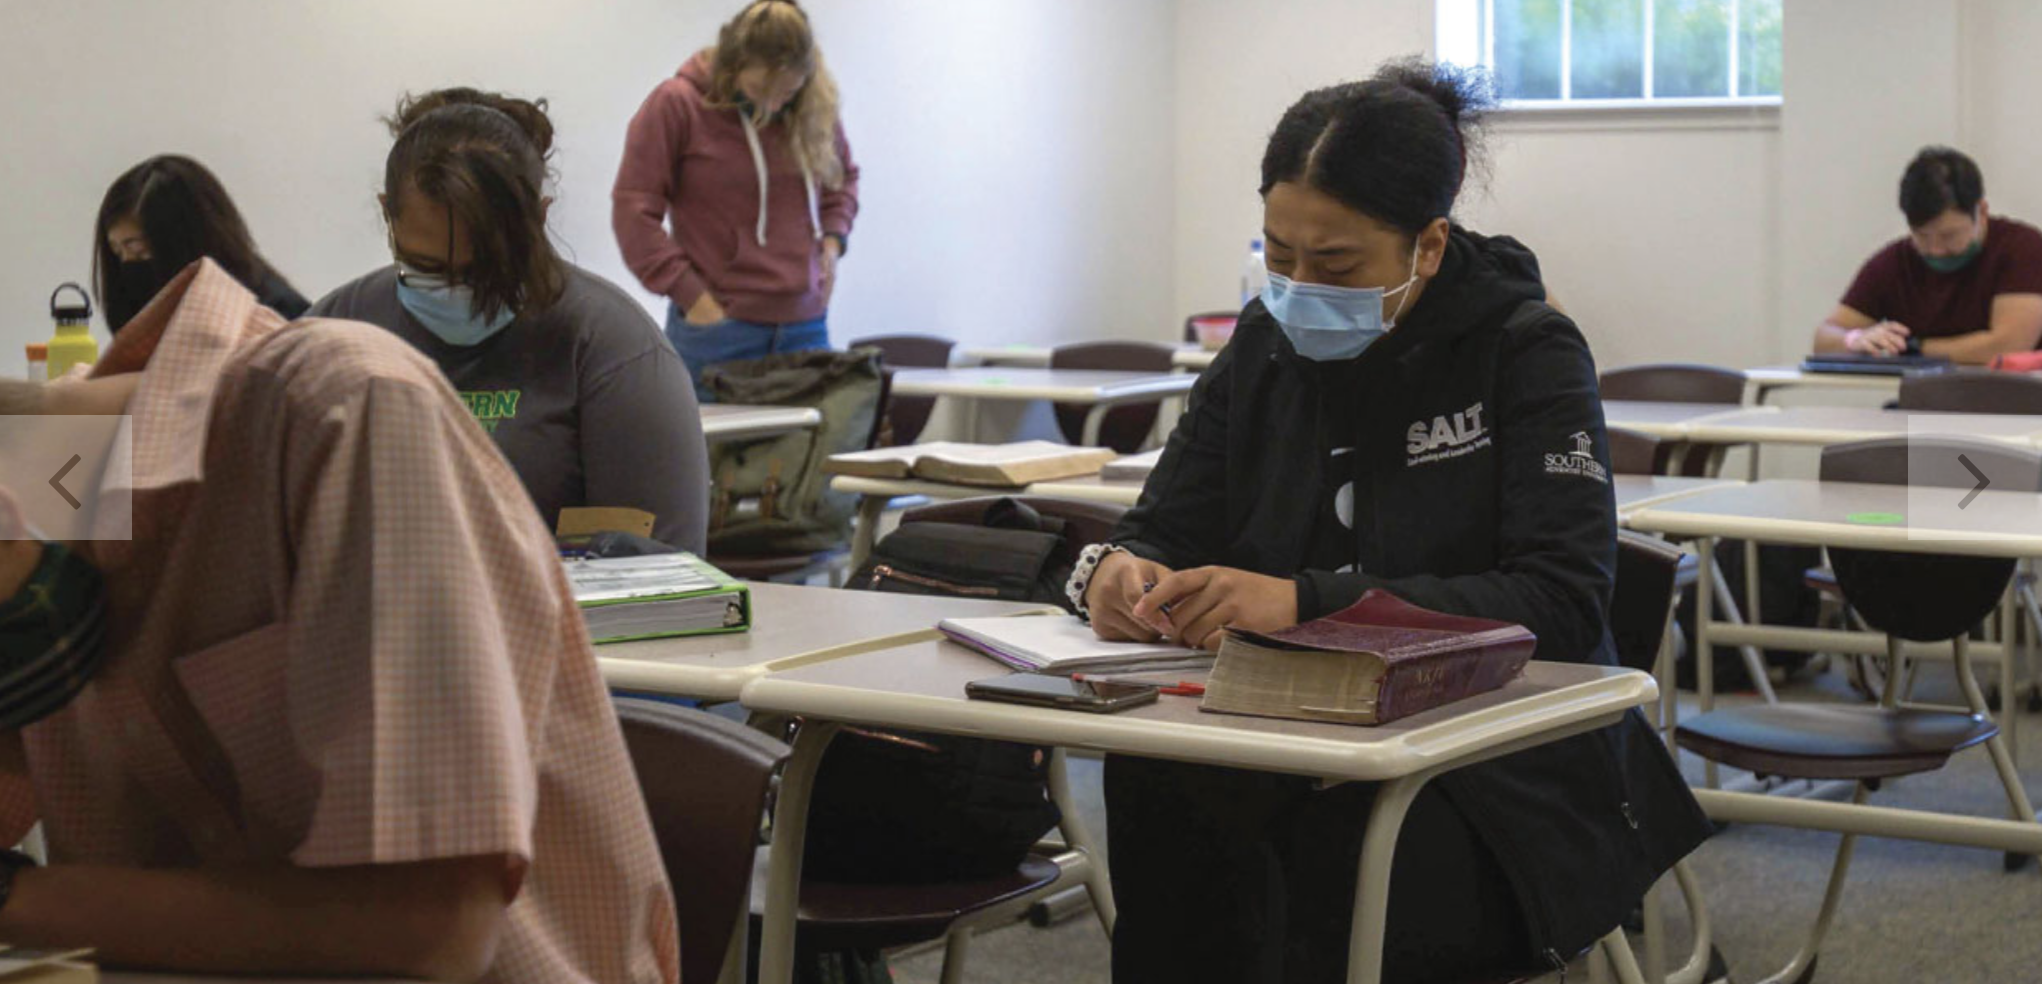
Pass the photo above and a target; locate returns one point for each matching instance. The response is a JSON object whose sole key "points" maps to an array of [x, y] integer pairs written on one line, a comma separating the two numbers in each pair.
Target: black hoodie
{"points": [[1481, 487]]}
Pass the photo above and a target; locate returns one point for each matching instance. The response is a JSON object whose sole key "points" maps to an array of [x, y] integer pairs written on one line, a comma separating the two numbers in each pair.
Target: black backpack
{"points": [[909, 807]]}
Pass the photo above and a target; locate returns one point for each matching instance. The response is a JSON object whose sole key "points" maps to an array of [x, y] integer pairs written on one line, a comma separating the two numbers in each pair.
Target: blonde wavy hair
{"points": [[775, 33]]}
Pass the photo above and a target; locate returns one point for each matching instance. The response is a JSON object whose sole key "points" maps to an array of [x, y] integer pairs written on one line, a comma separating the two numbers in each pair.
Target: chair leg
{"points": [[2010, 778], [1803, 965], [1618, 951], [1696, 969], [1098, 883], [955, 949], [1754, 663]]}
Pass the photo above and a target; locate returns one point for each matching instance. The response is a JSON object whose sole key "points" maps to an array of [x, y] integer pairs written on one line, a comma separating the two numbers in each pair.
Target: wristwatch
{"points": [[10, 863]]}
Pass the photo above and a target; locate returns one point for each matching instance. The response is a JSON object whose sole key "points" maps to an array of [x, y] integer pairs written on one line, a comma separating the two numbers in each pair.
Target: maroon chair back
{"points": [[1124, 428], [1972, 391], [1674, 383], [1636, 453], [705, 780], [1677, 383], [904, 417]]}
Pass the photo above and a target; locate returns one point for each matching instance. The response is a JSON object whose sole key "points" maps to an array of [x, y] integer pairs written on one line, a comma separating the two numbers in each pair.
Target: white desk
{"points": [[1666, 421], [733, 421], [792, 625], [1188, 355], [1635, 492], [1878, 517], [1819, 426], [1091, 488], [1097, 390], [1765, 379], [921, 686]]}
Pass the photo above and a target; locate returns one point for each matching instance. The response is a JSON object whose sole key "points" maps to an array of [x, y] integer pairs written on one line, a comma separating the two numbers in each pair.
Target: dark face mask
{"points": [[52, 637], [132, 286]]}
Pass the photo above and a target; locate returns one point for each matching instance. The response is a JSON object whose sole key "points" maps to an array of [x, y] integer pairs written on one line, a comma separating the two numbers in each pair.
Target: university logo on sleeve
{"points": [[1446, 436], [1580, 462]]}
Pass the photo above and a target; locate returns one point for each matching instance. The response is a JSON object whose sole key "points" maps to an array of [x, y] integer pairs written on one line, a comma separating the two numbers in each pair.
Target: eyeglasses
{"points": [[418, 280]]}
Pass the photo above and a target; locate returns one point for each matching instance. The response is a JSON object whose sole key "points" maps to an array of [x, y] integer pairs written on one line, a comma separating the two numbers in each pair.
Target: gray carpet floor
{"points": [[1912, 912]]}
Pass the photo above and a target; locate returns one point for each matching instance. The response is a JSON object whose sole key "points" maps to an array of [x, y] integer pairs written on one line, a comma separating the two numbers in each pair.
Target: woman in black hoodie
{"points": [[1404, 411]]}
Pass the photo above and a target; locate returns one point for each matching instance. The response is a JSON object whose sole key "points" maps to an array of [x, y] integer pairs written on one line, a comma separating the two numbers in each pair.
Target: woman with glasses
{"points": [[564, 370]]}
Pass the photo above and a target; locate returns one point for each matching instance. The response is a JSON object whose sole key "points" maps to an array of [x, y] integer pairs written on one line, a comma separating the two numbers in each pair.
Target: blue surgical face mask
{"points": [[1330, 324], [448, 311]]}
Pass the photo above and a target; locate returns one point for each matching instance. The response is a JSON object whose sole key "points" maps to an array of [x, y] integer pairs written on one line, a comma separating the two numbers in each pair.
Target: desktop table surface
{"points": [[790, 624], [1639, 491], [1092, 488], [1663, 420], [921, 685], [1847, 514], [1000, 382], [1835, 425], [718, 418]]}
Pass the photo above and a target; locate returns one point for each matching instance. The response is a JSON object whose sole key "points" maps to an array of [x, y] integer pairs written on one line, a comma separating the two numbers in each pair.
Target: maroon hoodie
{"points": [[762, 261]]}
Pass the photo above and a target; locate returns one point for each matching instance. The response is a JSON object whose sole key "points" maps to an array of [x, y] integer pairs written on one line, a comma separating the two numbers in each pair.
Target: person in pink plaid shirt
{"points": [[348, 720]]}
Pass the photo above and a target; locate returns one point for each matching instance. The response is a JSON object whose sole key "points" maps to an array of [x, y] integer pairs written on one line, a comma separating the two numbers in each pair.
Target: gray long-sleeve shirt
{"points": [[586, 399]]}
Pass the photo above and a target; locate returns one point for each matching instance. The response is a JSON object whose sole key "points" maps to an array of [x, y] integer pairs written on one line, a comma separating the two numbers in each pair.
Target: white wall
{"points": [[1013, 187], [1848, 129], [1656, 234], [1035, 169]]}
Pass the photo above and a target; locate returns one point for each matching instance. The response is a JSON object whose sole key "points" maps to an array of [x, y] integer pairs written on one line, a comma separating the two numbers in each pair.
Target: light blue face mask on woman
{"points": [[448, 311], [1329, 324]]}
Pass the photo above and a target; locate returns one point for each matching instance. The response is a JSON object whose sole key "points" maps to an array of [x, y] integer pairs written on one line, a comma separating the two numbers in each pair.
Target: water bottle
{"points": [[1254, 275], [72, 344]]}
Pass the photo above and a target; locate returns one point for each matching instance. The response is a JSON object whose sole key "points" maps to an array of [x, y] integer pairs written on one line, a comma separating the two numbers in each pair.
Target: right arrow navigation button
{"points": [[1975, 473]]}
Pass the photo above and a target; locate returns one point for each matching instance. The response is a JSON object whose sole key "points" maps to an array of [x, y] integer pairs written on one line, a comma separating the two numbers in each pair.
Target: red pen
{"points": [[1183, 688]]}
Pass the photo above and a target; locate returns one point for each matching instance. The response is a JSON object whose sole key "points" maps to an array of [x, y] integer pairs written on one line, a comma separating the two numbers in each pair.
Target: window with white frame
{"points": [[1618, 53]]}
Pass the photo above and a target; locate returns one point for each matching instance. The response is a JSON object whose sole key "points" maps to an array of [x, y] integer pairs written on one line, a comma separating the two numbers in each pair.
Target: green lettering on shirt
{"points": [[492, 407]]}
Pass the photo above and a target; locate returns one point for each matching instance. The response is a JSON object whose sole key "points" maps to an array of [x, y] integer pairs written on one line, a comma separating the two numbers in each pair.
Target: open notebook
{"points": [[1062, 644], [1003, 465]]}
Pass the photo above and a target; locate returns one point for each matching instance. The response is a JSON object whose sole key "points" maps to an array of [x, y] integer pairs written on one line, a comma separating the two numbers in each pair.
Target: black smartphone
{"points": [[1097, 696]]}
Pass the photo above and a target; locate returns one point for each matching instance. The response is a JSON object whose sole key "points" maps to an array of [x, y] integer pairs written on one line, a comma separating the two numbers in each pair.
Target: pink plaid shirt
{"points": [[340, 636]]}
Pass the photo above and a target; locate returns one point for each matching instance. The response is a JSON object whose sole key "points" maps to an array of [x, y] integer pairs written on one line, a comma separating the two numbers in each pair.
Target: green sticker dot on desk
{"points": [[1876, 518]]}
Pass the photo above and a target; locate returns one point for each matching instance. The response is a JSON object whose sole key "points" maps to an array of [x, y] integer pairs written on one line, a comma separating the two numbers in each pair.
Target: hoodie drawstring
{"points": [[751, 139]]}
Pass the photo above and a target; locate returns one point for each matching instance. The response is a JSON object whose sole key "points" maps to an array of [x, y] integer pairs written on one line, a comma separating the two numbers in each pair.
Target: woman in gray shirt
{"points": [[569, 374]]}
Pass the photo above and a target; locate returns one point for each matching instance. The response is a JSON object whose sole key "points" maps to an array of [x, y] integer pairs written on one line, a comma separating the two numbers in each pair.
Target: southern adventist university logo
{"points": [[1580, 462]]}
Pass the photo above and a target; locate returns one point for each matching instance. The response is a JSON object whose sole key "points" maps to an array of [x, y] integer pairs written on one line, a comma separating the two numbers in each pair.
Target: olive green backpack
{"points": [[770, 496]]}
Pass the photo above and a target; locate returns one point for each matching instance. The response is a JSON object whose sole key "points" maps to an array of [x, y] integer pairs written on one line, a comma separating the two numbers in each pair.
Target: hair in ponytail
{"points": [[1396, 147]]}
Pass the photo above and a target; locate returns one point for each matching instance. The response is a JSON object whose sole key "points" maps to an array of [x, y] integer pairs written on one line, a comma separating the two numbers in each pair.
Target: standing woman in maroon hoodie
{"points": [[743, 155]]}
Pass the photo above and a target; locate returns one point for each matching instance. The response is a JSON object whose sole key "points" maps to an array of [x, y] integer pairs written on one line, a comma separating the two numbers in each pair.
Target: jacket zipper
{"points": [[884, 571]]}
